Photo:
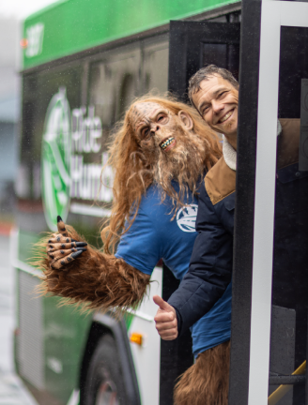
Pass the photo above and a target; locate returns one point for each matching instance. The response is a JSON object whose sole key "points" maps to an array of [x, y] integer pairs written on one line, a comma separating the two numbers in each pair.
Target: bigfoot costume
{"points": [[159, 155]]}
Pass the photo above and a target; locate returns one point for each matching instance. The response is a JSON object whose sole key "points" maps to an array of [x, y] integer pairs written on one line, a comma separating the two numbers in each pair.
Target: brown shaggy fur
{"points": [[207, 381], [134, 173], [96, 279]]}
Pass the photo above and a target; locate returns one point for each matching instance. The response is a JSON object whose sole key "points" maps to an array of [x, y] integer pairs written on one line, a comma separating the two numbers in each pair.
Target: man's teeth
{"points": [[226, 116], [166, 143]]}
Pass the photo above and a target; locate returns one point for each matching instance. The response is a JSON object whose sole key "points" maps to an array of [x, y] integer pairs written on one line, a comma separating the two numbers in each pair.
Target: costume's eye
{"points": [[162, 118], [145, 132]]}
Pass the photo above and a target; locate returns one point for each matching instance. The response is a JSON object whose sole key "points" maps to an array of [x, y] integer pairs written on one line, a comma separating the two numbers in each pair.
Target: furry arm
{"points": [[99, 280]]}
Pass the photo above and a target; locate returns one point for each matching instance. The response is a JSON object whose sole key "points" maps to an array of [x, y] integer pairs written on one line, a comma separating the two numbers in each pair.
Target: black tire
{"points": [[104, 380]]}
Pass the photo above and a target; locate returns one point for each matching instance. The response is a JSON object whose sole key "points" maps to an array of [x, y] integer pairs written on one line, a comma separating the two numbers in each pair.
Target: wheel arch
{"points": [[104, 324]]}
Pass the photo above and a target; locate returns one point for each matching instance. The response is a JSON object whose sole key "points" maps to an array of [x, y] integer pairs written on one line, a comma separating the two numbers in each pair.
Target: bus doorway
{"points": [[201, 43], [269, 307], [269, 312]]}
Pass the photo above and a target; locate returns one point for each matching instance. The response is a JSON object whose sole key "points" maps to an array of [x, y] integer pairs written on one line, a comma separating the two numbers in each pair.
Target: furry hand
{"points": [[165, 319], [62, 249]]}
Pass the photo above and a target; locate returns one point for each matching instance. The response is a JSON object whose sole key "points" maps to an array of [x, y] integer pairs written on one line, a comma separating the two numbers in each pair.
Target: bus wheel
{"points": [[104, 381]]}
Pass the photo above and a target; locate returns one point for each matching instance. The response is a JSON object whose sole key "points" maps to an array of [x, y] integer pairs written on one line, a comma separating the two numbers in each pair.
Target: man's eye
{"points": [[222, 93]]}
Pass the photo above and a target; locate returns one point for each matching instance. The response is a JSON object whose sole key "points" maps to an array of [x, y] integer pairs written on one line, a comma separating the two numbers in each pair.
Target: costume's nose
{"points": [[154, 128]]}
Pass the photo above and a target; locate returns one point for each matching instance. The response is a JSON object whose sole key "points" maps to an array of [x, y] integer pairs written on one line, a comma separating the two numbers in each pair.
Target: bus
{"points": [[83, 63]]}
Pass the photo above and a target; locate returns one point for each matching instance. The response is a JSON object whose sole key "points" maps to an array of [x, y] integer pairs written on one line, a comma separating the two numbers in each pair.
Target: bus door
{"points": [[192, 45], [270, 278]]}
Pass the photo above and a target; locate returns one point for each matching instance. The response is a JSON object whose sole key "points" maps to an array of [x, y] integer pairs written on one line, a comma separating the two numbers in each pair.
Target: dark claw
{"points": [[76, 254], [69, 259], [73, 240], [81, 244], [59, 219], [58, 238], [62, 262], [62, 246], [67, 240], [62, 252], [49, 241]]}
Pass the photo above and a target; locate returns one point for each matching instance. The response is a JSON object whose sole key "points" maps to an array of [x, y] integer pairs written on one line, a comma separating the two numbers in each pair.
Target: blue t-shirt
{"points": [[154, 236]]}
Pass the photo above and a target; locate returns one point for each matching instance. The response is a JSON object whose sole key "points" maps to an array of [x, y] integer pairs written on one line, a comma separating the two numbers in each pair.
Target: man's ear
{"points": [[186, 120]]}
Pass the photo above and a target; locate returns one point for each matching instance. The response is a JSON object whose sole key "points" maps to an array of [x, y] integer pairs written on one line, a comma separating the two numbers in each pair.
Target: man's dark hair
{"points": [[204, 74]]}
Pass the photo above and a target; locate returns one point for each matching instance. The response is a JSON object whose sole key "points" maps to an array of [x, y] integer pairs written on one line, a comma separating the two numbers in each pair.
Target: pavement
{"points": [[12, 390]]}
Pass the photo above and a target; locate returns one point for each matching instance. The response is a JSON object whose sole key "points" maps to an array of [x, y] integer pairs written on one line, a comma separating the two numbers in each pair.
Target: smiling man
{"points": [[206, 288], [217, 102], [214, 93]]}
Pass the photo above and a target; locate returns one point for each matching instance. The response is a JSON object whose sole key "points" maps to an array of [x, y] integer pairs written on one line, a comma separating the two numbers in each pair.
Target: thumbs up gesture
{"points": [[165, 319]]}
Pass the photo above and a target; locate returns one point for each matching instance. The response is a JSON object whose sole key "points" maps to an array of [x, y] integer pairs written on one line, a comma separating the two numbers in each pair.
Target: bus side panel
{"points": [[65, 336]]}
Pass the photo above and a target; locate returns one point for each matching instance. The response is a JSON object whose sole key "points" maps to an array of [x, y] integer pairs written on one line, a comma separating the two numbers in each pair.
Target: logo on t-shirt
{"points": [[186, 218]]}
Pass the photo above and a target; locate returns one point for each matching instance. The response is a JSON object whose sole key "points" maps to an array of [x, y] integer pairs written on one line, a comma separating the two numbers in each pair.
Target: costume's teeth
{"points": [[166, 143]]}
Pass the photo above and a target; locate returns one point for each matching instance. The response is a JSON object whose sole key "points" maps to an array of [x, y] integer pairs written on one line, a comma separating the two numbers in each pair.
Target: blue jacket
{"points": [[211, 262]]}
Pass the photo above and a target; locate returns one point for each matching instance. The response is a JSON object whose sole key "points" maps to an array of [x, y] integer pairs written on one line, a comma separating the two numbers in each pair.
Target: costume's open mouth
{"points": [[225, 117], [167, 142]]}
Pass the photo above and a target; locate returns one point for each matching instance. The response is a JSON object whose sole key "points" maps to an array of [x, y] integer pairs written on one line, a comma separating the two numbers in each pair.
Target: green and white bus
{"points": [[83, 63]]}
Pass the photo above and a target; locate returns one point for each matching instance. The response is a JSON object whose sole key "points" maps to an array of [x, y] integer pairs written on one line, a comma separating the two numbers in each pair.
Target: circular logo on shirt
{"points": [[186, 218]]}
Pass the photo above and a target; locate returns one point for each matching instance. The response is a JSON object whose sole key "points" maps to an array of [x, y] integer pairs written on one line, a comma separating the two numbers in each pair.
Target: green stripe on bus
{"points": [[74, 25]]}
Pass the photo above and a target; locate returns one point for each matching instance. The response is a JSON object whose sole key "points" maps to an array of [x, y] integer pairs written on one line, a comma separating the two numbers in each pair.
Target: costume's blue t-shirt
{"points": [[154, 236]]}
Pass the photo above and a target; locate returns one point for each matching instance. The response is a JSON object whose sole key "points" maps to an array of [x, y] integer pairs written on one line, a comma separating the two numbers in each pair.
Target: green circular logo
{"points": [[56, 152]]}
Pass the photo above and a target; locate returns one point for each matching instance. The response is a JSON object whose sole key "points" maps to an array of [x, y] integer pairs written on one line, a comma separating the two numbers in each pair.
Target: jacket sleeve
{"points": [[210, 266]]}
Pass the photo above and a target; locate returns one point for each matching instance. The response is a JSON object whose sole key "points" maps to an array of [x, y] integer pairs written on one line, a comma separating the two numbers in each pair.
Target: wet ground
{"points": [[12, 390]]}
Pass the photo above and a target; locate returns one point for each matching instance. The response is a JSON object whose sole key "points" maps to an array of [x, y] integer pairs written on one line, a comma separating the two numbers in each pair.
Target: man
{"points": [[159, 155], [214, 93]]}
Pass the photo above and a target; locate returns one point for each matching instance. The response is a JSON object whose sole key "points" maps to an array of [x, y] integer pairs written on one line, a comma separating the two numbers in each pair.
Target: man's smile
{"points": [[167, 143], [225, 117]]}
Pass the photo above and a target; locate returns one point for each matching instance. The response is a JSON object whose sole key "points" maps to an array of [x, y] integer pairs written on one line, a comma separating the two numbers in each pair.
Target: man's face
{"points": [[154, 126], [217, 102]]}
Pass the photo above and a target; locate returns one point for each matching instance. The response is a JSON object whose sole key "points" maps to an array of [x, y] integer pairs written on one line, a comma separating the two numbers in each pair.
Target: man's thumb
{"points": [[162, 304]]}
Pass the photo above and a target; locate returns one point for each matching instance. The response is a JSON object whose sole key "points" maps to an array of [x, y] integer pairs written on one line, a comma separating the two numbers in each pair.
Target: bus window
{"points": [[38, 90], [114, 83], [155, 67]]}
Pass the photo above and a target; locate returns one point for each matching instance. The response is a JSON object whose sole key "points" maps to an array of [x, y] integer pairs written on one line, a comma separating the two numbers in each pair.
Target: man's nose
{"points": [[217, 106]]}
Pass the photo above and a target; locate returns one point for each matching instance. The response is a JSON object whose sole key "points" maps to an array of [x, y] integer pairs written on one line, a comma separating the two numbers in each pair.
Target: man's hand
{"points": [[165, 319], [62, 249]]}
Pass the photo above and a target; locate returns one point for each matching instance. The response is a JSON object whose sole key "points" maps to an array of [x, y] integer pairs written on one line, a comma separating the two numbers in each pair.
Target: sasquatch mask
{"points": [[169, 146]]}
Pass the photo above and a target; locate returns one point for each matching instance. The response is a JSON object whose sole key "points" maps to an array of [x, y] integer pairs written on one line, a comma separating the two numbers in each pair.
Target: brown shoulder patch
{"points": [[220, 181], [288, 142]]}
